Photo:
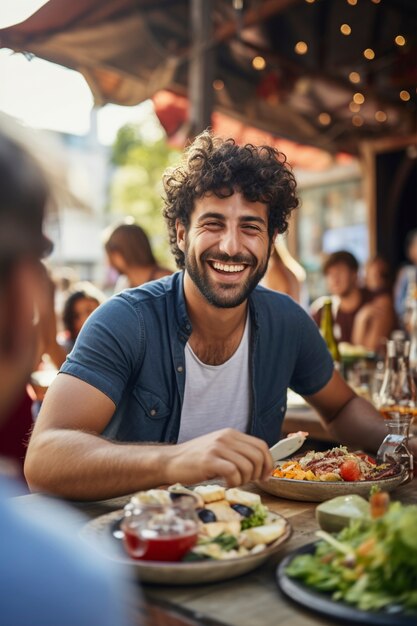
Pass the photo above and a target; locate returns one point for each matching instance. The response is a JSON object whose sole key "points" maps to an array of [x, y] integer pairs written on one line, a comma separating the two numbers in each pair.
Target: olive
{"points": [[206, 515], [242, 509]]}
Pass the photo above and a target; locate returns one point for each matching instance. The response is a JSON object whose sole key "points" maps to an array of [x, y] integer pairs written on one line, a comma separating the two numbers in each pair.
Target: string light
{"points": [[259, 63], [310, 1], [357, 120], [405, 95], [381, 116], [301, 47], [352, 2], [369, 54], [354, 107], [358, 98], [324, 119], [400, 40], [218, 84], [345, 29], [376, 1], [355, 77]]}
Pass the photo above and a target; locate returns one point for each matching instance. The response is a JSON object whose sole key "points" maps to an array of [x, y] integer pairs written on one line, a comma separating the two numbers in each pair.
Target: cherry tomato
{"points": [[379, 503], [350, 471]]}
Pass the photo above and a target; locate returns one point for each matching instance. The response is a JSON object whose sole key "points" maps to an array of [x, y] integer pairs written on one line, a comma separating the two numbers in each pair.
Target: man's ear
{"points": [[181, 233]]}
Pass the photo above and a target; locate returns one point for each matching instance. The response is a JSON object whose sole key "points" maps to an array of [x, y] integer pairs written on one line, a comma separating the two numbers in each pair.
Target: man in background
{"points": [[46, 578], [359, 317]]}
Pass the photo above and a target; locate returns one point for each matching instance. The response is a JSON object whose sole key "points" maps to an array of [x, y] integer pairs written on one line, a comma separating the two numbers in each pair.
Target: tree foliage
{"points": [[136, 185]]}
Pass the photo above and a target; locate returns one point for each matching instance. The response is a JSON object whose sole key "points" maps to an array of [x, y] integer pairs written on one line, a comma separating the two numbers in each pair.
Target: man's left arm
{"points": [[351, 420]]}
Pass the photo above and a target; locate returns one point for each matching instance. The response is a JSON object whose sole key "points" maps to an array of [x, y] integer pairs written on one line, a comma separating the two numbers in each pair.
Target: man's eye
{"points": [[252, 227], [213, 225]]}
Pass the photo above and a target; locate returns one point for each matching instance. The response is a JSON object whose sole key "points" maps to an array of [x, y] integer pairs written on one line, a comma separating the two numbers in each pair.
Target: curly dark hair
{"points": [[215, 165]]}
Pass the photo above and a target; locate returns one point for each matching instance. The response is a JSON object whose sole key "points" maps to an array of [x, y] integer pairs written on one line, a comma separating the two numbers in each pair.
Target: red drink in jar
{"points": [[147, 545]]}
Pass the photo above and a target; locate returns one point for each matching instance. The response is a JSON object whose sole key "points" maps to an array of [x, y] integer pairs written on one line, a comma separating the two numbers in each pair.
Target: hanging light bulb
{"points": [[218, 84], [405, 95], [358, 98], [400, 40], [369, 54], [324, 119], [258, 63], [357, 120], [355, 77], [381, 116], [301, 47], [345, 29], [354, 107]]}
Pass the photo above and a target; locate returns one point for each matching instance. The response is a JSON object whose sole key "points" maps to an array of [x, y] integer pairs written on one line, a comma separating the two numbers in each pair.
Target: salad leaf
{"points": [[257, 518], [371, 564]]}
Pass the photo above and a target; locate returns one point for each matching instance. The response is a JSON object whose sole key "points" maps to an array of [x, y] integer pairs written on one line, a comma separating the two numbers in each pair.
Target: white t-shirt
{"points": [[216, 396]]}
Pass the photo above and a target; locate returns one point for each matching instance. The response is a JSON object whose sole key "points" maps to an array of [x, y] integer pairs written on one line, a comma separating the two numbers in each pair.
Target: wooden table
{"points": [[250, 600]]}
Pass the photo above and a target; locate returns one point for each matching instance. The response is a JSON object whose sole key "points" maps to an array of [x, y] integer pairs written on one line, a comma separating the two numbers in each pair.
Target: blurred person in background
{"points": [[356, 318], [76, 310], [284, 274], [405, 289], [129, 252], [376, 320], [61, 580]]}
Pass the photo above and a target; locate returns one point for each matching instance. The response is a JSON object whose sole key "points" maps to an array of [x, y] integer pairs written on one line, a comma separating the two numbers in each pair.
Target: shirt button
{"points": [[188, 327], [282, 409], [153, 412], [180, 368]]}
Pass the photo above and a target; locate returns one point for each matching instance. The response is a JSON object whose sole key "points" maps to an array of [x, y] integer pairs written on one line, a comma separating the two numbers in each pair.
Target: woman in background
{"points": [[129, 252]]}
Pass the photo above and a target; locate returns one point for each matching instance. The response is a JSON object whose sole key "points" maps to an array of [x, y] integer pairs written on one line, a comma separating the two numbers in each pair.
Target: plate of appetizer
{"points": [[365, 574], [318, 476], [235, 534]]}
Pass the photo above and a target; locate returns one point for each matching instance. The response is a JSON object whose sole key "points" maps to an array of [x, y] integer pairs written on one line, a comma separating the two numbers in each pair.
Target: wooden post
{"points": [[201, 70]]}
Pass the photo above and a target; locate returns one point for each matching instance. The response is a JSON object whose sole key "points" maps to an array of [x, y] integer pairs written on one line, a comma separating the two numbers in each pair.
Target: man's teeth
{"points": [[228, 268]]}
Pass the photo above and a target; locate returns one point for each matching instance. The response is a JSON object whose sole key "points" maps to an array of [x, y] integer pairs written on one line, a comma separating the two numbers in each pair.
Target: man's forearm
{"points": [[83, 466], [358, 424]]}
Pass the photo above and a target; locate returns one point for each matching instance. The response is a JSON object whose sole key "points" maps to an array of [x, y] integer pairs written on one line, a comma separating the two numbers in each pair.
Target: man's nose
{"points": [[230, 242]]}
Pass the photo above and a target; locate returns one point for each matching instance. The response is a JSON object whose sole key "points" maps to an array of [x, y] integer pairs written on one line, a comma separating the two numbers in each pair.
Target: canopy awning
{"points": [[129, 50]]}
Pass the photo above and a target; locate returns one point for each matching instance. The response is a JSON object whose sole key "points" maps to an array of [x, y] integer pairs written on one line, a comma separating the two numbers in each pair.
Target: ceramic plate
{"points": [[316, 491], [101, 528], [322, 603]]}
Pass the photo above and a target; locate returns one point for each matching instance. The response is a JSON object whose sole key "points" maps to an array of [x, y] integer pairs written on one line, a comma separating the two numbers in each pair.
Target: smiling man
{"points": [[201, 360]]}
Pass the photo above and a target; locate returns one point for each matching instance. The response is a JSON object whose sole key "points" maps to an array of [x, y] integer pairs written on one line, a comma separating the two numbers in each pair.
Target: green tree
{"points": [[136, 186]]}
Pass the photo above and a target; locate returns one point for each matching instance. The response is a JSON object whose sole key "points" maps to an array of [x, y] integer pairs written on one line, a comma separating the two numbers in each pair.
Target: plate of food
{"points": [[344, 577], [318, 476], [236, 533]]}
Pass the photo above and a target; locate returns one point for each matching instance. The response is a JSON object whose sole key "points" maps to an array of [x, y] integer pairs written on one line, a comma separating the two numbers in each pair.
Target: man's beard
{"points": [[226, 295]]}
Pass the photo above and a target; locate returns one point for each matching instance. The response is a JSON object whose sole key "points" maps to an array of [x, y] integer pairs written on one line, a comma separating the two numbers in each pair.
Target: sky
{"points": [[45, 95]]}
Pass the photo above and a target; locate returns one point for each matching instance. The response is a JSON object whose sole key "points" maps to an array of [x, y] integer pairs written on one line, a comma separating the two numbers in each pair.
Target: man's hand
{"points": [[229, 454]]}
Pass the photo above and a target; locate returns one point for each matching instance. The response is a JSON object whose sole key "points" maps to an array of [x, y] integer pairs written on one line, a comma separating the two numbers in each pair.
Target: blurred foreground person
{"points": [[360, 317], [201, 360], [129, 252], [46, 578]]}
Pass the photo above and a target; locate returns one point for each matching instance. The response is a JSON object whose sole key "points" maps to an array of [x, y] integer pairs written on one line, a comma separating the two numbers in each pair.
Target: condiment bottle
{"points": [[326, 329]]}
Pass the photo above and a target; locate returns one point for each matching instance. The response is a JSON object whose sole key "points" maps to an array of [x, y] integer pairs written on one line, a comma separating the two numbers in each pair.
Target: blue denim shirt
{"points": [[132, 349]]}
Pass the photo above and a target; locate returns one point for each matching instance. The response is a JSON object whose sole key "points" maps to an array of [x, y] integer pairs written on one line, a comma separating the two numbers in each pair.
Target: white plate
{"points": [[316, 491], [99, 531]]}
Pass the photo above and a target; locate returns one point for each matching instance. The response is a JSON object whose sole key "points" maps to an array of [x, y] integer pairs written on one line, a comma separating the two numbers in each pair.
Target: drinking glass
{"points": [[397, 402]]}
